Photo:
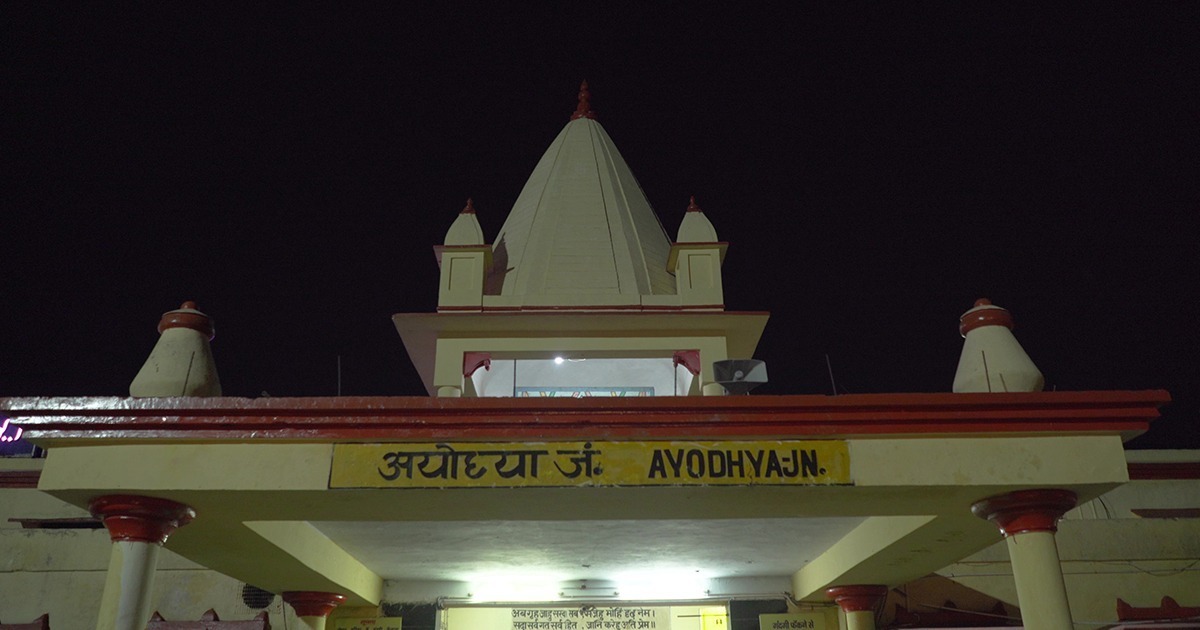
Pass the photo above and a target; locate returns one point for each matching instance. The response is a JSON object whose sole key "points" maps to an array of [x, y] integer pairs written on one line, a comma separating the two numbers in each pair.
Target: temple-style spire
{"points": [[581, 233], [465, 231], [584, 109], [695, 260], [464, 259], [695, 227]]}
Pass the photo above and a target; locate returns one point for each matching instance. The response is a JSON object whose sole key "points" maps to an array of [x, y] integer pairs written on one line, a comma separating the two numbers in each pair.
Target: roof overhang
{"points": [[259, 474], [67, 421]]}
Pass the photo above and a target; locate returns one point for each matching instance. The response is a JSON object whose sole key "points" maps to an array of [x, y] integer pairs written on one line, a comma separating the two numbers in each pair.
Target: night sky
{"points": [[289, 168]]}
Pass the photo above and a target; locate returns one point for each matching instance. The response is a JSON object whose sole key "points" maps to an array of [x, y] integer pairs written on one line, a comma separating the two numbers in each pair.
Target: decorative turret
{"points": [[181, 363], [992, 360], [695, 259], [465, 258]]}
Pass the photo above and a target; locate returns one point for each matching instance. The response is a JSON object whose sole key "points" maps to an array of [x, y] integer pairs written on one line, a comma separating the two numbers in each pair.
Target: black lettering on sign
{"points": [[695, 463], [755, 462], [675, 463], [739, 463], [583, 462], [716, 464], [658, 467], [808, 463]]}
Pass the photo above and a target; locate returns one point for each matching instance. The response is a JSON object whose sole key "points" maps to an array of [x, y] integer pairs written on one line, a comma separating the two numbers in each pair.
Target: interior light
{"points": [[508, 587], [663, 584], [558, 360]]}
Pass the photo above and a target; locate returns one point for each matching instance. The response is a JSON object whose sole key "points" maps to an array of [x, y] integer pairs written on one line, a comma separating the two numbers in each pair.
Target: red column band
{"points": [[313, 603], [1026, 510], [858, 597], [140, 519]]}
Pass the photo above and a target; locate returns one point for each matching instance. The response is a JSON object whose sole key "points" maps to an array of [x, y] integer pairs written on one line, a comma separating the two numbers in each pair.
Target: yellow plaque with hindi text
{"points": [[559, 464]]}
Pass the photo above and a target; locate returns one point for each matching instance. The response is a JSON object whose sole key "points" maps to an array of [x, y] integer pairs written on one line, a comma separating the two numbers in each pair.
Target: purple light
{"points": [[4, 437], [11, 444]]}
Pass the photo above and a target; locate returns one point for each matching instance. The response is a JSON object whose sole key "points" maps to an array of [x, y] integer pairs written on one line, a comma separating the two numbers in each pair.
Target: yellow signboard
{"points": [[557, 464], [369, 623]]}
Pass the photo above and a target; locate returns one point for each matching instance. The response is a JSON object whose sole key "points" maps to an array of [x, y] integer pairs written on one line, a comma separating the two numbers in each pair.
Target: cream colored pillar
{"points": [[138, 527], [313, 607], [1028, 520], [859, 602]]}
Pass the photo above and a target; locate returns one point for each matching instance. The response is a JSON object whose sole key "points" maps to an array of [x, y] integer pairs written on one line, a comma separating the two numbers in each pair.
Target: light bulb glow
{"points": [[515, 587], [558, 360], [660, 584]]}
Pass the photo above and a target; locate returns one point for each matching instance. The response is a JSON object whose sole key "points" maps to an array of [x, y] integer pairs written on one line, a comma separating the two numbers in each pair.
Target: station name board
{"points": [[559, 464]]}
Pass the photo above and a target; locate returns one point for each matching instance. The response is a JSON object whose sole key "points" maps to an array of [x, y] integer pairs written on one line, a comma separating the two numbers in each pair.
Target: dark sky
{"points": [[289, 168]]}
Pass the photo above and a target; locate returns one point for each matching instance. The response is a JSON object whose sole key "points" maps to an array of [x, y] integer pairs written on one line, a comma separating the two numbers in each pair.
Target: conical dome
{"points": [[581, 233]]}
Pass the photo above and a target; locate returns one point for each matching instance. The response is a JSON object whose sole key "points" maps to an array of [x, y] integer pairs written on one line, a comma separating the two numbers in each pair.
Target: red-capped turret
{"points": [[181, 363], [992, 360]]}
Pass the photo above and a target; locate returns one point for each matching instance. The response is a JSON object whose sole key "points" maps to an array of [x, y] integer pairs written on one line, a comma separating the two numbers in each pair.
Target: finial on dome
{"points": [[470, 207], [692, 207], [584, 109]]}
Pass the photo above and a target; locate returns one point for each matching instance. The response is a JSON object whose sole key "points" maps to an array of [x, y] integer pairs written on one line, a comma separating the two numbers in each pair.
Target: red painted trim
{"points": [[984, 314], [453, 309], [94, 420], [187, 317], [1164, 470], [140, 519], [857, 598], [1167, 512], [313, 603], [19, 478], [1023, 511], [1168, 609], [689, 359], [472, 361]]}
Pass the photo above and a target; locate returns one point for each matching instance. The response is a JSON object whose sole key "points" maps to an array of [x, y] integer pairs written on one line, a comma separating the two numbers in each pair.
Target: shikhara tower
{"points": [[581, 272]]}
